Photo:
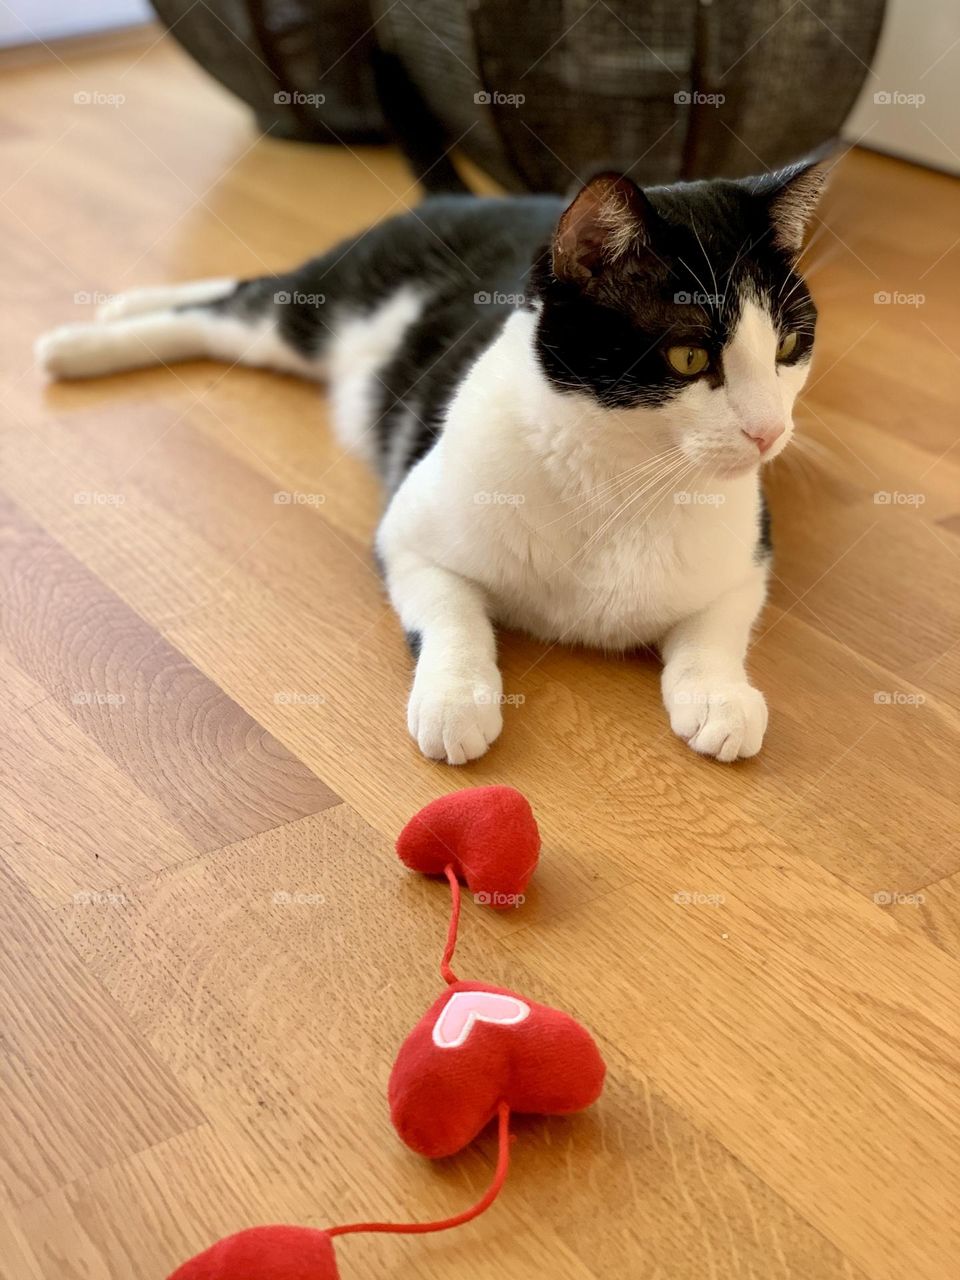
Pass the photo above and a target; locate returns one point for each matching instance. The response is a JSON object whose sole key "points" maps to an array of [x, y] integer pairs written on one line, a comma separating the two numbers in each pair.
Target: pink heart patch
{"points": [[465, 1009]]}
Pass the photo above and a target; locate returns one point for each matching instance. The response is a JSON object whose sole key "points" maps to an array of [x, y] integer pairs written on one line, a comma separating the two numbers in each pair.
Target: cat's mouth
{"points": [[729, 465], [731, 461]]}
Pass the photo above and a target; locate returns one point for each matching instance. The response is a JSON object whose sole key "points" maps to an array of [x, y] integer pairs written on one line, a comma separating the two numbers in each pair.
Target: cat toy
{"points": [[478, 1054]]}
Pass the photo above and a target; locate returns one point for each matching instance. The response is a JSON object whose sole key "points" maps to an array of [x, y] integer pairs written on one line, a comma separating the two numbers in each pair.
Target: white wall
{"points": [[917, 66], [25, 21]]}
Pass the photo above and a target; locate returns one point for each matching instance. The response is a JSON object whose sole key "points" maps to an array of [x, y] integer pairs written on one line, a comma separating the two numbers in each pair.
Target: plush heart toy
{"points": [[265, 1253], [487, 834], [478, 1046], [478, 1052]]}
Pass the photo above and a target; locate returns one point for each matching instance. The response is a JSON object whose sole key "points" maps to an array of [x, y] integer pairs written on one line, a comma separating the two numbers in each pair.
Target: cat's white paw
{"points": [[74, 351], [455, 717], [726, 720]]}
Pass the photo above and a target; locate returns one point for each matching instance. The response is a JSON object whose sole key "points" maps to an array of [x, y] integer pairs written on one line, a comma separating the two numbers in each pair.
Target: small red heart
{"points": [[265, 1253], [478, 1046], [487, 834]]}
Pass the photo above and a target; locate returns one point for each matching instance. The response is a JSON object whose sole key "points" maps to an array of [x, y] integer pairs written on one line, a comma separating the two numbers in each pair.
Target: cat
{"points": [[569, 405]]}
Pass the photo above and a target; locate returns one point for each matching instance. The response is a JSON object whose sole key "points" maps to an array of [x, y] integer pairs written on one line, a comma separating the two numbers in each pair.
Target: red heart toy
{"points": [[478, 1046], [265, 1253], [487, 834]]}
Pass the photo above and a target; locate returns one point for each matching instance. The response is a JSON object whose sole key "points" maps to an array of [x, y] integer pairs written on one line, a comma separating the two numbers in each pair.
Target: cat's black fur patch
{"points": [[765, 540], [414, 642]]}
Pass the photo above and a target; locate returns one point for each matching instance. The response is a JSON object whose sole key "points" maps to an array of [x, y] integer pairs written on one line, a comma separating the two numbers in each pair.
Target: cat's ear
{"points": [[609, 216], [791, 196]]}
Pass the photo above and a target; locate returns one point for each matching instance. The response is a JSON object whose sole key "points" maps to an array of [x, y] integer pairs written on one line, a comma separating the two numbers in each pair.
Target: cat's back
{"points": [[452, 247]]}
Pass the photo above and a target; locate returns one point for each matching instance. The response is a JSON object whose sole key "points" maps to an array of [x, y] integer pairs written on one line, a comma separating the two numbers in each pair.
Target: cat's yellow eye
{"points": [[688, 361], [788, 345]]}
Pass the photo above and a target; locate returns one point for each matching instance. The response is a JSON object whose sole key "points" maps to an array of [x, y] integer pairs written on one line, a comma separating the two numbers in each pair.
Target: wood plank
{"points": [[78, 1089], [72, 822], [216, 774]]}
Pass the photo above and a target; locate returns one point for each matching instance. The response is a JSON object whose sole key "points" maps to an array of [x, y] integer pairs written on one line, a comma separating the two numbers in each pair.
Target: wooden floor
{"points": [[204, 690]]}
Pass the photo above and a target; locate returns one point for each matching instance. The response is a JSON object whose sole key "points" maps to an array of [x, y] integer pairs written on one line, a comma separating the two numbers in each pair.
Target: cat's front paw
{"points": [[726, 720], [455, 717]]}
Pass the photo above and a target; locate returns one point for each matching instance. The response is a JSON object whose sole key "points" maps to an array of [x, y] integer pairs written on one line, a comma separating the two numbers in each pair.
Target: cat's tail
{"points": [[260, 322]]}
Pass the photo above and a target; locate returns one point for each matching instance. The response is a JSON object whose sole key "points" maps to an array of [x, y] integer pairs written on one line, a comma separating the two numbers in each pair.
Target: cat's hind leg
{"points": [[165, 297], [245, 323]]}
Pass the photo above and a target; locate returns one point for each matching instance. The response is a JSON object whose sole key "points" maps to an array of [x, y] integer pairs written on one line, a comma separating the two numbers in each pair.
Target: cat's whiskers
{"points": [[706, 291], [713, 274], [646, 482], [664, 477], [671, 483], [607, 489]]}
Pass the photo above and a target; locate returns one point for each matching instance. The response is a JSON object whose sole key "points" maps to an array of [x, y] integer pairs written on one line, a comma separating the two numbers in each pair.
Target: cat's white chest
{"points": [[621, 586]]}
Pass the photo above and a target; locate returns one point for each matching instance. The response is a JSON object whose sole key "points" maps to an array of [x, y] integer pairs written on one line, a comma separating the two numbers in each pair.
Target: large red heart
{"points": [[265, 1253], [487, 834], [478, 1046]]}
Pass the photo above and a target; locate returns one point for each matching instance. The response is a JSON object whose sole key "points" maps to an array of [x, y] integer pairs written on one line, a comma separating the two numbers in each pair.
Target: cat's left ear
{"points": [[791, 197]]}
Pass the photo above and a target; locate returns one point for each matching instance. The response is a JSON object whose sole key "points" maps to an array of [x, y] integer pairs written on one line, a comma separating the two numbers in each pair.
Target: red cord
{"points": [[444, 1224], [445, 971]]}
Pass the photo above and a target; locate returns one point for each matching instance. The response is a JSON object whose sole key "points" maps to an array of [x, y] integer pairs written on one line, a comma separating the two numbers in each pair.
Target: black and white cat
{"points": [[569, 408]]}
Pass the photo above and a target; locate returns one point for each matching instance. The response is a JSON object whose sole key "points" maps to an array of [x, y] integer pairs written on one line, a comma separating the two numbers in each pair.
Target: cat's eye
{"points": [[788, 345], [688, 361]]}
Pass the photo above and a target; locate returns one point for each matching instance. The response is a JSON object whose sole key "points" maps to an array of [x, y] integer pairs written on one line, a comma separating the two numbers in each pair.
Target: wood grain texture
{"points": [[933, 912], [78, 1089], [60, 794], [185, 1050], [214, 772]]}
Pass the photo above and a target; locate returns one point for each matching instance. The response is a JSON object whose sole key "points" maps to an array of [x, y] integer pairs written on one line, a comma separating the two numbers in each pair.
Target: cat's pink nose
{"points": [[764, 435]]}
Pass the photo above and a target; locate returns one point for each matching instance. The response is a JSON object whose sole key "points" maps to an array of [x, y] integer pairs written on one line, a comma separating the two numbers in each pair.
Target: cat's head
{"points": [[680, 309]]}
